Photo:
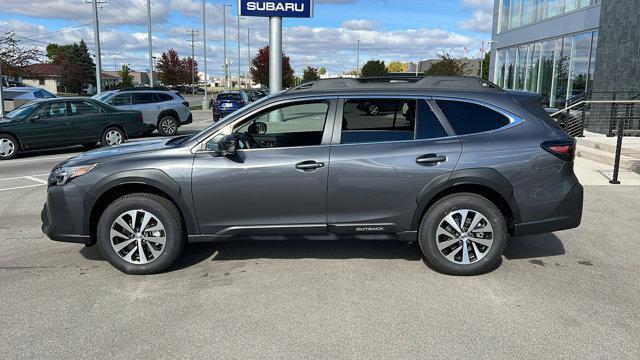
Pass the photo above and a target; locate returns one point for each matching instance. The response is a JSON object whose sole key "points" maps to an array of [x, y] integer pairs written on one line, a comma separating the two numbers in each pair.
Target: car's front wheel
{"points": [[463, 234], [373, 109], [140, 234], [112, 136], [168, 126], [8, 147]]}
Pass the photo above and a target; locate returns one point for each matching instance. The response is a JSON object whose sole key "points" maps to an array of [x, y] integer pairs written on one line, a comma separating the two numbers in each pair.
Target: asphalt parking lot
{"points": [[571, 294]]}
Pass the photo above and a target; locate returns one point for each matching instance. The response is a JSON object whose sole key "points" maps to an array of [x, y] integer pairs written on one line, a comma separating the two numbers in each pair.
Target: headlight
{"points": [[63, 174]]}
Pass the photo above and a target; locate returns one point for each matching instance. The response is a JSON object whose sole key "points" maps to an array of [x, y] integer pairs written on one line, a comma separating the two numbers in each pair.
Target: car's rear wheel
{"points": [[9, 147], [463, 234], [141, 234], [112, 136], [168, 126], [216, 118]]}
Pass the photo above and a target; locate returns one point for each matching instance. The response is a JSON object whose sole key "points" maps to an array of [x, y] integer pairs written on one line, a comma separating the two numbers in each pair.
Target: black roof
{"points": [[400, 83], [146, 88]]}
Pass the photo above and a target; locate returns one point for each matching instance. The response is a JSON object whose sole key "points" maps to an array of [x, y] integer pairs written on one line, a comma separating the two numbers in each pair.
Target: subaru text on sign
{"points": [[276, 8]]}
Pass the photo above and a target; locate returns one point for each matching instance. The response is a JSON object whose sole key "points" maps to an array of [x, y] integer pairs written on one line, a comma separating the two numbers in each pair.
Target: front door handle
{"points": [[309, 165], [431, 159]]}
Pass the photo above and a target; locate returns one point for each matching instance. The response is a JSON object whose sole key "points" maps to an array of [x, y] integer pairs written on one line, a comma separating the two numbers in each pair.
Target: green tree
{"points": [[395, 67], [374, 68], [77, 66], [310, 74], [447, 66], [260, 69], [485, 67], [126, 79], [322, 71]]}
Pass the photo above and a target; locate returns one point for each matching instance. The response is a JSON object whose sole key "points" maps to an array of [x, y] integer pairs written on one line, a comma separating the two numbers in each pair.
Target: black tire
{"points": [[161, 208], [168, 126], [9, 147], [436, 214], [108, 136]]}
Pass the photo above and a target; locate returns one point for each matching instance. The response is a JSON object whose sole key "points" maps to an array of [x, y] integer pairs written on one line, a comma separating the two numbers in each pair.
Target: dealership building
{"points": [[564, 48]]}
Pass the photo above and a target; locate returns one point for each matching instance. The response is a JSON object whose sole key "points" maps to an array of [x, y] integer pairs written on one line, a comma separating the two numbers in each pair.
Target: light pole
{"points": [[249, 56], [205, 101], [275, 54], [239, 18], [151, 79], [96, 35], [358, 59], [224, 39]]}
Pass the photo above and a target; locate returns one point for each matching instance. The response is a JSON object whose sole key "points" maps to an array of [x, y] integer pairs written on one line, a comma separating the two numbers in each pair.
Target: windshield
{"points": [[102, 96], [21, 111]]}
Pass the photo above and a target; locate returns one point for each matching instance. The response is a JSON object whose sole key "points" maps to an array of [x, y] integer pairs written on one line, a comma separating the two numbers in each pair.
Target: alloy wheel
{"points": [[464, 236], [138, 236], [168, 126], [113, 137], [373, 109], [7, 147]]}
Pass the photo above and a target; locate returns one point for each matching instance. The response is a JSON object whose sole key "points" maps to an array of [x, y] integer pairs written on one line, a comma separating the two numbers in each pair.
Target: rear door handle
{"points": [[431, 159], [309, 165]]}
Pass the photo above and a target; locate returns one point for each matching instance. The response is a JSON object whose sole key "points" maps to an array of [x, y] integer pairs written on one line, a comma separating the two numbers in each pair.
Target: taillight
{"points": [[241, 102], [563, 149], [140, 117]]}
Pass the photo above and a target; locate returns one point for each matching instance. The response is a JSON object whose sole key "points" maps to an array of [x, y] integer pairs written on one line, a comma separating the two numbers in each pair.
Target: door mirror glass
{"points": [[227, 145]]}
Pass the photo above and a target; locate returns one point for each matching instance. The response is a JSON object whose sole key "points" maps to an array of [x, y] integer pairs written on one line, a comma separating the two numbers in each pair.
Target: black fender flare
{"points": [[166, 112], [149, 177], [485, 177]]}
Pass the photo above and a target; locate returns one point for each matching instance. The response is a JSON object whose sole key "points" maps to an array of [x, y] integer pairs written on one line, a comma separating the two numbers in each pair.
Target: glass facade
{"points": [[516, 13], [559, 69]]}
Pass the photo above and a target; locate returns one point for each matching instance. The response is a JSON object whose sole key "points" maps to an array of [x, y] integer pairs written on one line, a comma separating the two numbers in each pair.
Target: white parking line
{"points": [[36, 159], [18, 182]]}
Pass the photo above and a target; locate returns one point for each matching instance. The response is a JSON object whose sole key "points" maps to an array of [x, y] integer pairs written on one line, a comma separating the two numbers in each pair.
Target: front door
{"points": [[381, 160], [48, 127], [276, 183]]}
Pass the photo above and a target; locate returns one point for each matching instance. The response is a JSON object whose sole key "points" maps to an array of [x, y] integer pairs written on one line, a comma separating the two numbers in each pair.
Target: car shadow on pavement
{"points": [[534, 246]]}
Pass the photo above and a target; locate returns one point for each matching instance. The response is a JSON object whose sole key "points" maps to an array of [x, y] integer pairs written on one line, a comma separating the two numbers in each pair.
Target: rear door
{"points": [[380, 163], [86, 121], [145, 103]]}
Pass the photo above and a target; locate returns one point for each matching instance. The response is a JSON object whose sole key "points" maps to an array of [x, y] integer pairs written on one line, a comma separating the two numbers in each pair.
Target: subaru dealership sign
{"points": [[276, 8]]}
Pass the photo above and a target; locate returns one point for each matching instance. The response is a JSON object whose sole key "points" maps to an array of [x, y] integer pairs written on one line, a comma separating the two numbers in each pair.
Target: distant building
{"points": [[47, 76], [140, 78]]}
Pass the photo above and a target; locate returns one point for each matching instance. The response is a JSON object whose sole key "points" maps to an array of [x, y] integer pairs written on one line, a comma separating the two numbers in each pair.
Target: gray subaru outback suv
{"points": [[456, 164]]}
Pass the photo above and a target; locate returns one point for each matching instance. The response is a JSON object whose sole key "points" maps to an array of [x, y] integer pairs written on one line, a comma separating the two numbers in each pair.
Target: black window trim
{"points": [[514, 120], [337, 128]]}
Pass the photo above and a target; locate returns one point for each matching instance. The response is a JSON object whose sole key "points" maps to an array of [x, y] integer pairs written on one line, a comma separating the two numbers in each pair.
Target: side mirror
{"points": [[34, 118], [227, 145]]}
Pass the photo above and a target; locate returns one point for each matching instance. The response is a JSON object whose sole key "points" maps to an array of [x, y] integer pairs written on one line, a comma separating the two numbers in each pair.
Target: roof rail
{"points": [[146, 88], [400, 82]]}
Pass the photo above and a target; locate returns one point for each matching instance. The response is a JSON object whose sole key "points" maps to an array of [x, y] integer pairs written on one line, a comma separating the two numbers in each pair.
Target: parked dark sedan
{"points": [[59, 122]]}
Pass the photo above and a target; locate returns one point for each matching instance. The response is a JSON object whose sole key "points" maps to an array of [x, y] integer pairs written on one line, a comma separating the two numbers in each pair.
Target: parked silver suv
{"points": [[162, 109]]}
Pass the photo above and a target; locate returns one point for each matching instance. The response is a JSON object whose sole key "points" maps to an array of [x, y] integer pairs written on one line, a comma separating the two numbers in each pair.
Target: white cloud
{"points": [[358, 24], [480, 22], [478, 4]]}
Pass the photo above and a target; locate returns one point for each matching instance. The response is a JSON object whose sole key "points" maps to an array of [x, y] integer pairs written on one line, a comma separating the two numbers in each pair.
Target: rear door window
{"points": [[120, 100], [470, 118], [141, 98], [83, 108], [378, 120]]}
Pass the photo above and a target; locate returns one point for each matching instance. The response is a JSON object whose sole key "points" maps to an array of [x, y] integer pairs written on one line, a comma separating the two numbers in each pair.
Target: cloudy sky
{"points": [[404, 30]]}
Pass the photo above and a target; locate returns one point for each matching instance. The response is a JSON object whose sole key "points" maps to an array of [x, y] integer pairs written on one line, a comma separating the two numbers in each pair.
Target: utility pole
{"points": [[239, 82], [151, 82], [224, 39], [96, 36], [358, 59], [1, 92], [193, 33], [249, 56], [205, 101]]}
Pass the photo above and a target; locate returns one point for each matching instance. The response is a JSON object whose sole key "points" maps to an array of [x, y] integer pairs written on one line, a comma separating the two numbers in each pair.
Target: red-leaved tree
{"points": [[260, 69]]}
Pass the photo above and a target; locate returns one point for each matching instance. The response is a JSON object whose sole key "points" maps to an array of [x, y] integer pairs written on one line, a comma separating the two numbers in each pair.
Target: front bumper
{"points": [[62, 217], [567, 215]]}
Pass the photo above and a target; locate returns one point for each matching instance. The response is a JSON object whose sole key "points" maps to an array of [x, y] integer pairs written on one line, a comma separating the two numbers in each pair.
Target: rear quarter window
{"points": [[470, 118]]}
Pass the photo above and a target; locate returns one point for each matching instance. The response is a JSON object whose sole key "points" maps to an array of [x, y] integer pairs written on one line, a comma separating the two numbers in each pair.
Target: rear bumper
{"points": [[567, 215], [61, 215], [188, 121]]}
